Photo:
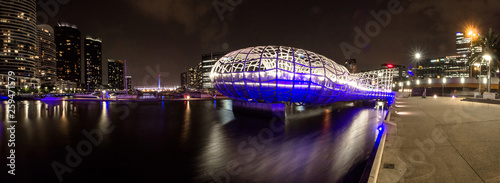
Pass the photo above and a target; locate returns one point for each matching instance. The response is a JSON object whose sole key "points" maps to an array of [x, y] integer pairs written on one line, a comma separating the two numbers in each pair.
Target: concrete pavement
{"points": [[441, 140]]}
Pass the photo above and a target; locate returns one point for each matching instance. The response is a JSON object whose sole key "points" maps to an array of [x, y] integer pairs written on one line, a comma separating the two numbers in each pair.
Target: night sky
{"points": [[168, 36]]}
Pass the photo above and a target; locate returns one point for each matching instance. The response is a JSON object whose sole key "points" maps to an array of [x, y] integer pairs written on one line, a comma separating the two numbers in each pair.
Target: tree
{"points": [[490, 44]]}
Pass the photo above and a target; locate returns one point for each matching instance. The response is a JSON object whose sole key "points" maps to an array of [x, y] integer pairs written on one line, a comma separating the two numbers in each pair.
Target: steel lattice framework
{"points": [[285, 74]]}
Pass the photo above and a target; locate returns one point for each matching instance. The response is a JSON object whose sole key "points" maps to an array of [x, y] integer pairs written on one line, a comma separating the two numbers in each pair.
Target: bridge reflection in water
{"points": [[191, 141]]}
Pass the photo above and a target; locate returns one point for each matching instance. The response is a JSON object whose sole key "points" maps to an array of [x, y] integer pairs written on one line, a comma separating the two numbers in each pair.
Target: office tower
{"points": [[46, 55], [68, 42], [18, 41], [93, 63], [115, 74], [463, 43]]}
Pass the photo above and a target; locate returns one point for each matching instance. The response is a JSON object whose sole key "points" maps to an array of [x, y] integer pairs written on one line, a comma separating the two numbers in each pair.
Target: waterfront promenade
{"points": [[441, 140]]}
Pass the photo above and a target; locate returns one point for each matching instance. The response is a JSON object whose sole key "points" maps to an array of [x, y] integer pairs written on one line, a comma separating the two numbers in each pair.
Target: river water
{"points": [[184, 141]]}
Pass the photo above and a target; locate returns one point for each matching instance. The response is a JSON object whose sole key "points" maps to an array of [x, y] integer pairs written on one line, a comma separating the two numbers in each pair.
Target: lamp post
{"points": [[479, 77], [471, 34], [442, 86], [488, 57]]}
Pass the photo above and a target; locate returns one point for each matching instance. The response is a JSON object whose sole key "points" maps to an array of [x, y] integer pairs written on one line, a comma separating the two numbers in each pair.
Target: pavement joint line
{"points": [[475, 171]]}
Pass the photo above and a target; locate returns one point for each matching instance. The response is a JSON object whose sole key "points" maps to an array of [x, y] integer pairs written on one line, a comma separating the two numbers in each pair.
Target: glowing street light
{"points": [[418, 56]]}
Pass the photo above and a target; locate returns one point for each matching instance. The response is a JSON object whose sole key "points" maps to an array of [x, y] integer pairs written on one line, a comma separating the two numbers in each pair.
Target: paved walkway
{"points": [[442, 140]]}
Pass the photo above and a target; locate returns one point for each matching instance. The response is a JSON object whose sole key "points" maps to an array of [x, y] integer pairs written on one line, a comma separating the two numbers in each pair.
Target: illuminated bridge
{"points": [[276, 74]]}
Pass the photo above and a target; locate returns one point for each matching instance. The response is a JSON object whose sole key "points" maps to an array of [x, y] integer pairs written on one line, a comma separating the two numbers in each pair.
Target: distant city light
{"points": [[390, 66], [435, 96], [418, 82], [444, 80], [487, 57], [462, 80]]}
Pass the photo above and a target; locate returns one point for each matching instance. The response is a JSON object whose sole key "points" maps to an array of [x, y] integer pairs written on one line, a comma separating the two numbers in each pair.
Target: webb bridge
{"points": [[281, 74]]}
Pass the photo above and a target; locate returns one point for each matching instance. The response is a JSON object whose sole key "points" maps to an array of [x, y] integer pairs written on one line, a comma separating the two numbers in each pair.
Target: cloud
{"points": [[196, 17]]}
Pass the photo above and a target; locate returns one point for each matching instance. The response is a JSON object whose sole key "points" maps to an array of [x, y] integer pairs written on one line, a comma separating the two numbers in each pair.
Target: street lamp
{"points": [[417, 56], [488, 57]]}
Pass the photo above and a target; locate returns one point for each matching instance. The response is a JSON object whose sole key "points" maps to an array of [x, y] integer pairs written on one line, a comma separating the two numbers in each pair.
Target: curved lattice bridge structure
{"points": [[277, 74]]}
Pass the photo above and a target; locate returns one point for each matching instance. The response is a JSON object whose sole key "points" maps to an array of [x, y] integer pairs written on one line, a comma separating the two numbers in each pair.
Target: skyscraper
{"points": [[68, 46], [115, 74], [46, 55], [93, 63], [18, 38]]}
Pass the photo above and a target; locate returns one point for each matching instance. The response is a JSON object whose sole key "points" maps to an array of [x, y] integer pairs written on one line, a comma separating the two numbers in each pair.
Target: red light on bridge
{"points": [[390, 66]]}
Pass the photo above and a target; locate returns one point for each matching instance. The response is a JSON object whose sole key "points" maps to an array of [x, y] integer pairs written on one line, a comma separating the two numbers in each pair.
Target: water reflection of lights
{"points": [[64, 119], [187, 122], [214, 151], [326, 122], [358, 129], [104, 122]]}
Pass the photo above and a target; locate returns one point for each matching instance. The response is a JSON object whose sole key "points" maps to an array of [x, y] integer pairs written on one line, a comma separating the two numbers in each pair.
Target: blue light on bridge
{"points": [[275, 74]]}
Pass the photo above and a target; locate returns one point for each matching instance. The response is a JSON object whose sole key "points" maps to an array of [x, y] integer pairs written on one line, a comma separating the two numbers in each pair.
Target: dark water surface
{"points": [[195, 141]]}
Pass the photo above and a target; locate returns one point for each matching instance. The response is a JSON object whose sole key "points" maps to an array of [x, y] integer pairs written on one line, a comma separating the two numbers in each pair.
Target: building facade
{"points": [[46, 55], [453, 66], [93, 63], [184, 80], [207, 62], [463, 43], [68, 46], [115, 74], [18, 38], [350, 64], [196, 77], [130, 85]]}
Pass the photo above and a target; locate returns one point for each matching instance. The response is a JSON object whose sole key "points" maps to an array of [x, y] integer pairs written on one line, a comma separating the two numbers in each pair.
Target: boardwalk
{"points": [[442, 140]]}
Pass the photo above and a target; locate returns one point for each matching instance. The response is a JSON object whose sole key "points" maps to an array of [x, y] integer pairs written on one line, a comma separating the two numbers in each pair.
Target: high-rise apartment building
{"points": [[68, 46], [18, 42], [93, 63], [46, 55], [115, 74]]}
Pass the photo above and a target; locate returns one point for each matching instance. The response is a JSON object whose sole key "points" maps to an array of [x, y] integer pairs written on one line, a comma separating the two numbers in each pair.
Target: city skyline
{"points": [[173, 41]]}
